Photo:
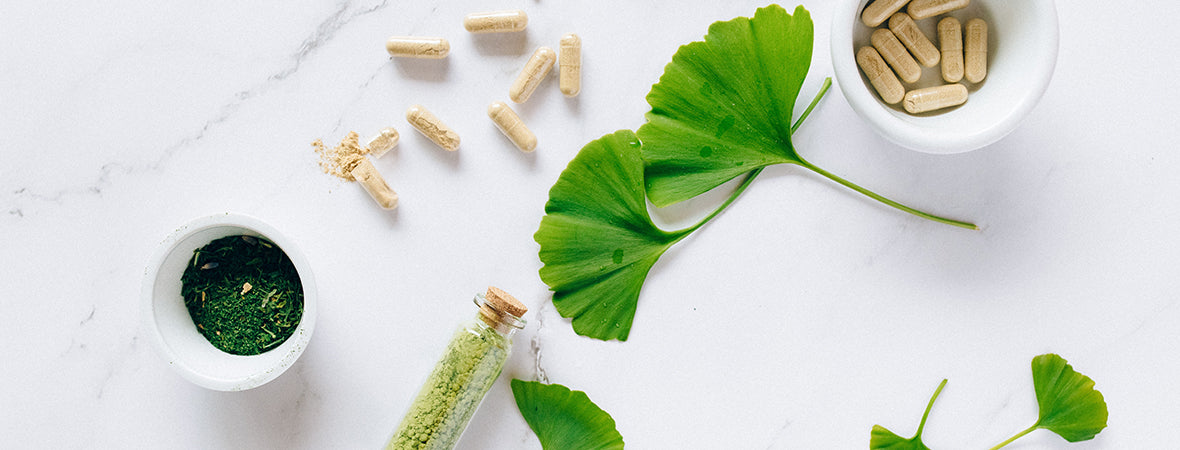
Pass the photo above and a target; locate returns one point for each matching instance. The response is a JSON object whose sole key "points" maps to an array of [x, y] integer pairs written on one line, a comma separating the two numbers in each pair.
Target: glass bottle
{"points": [[468, 368]]}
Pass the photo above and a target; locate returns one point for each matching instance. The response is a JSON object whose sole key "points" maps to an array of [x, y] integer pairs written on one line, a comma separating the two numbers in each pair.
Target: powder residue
{"points": [[341, 159]]}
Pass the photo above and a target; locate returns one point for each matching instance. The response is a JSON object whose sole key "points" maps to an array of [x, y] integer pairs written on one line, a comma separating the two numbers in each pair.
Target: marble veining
{"points": [[799, 318]]}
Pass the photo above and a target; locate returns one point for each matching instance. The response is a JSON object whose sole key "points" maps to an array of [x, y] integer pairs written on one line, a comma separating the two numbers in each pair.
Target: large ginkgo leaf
{"points": [[723, 105], [597, 240]]}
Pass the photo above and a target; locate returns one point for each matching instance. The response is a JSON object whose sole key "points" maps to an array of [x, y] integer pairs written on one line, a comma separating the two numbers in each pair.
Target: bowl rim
{"points": [[264, 373], [911, 134]]}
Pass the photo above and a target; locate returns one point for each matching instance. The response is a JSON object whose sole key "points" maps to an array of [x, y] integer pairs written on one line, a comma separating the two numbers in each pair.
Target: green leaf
{"points": [[565, 419], [723, 105], [597, 240], [883, 439], [723, 108], [1069, 404]]}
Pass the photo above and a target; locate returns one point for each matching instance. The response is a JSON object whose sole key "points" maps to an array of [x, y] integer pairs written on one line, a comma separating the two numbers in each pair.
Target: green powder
{"points": [[468, 368]]}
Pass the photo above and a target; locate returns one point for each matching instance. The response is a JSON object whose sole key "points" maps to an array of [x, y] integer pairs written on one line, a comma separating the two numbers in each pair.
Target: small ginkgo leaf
{"points": [[565, 419], [723, 105], [883, 439], [597, 239], [1069, 404]]}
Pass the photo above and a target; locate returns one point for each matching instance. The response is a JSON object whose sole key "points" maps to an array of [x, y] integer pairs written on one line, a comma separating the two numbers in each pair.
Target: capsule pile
{"points": [[899, 50]]}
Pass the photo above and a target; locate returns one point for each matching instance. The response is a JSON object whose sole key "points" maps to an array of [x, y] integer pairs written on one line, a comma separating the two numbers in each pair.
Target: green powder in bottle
{"points": [[468, 368]]}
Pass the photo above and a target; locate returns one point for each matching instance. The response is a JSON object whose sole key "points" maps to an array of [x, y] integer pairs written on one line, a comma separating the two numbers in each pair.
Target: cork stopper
{"points": [[505, 302]]}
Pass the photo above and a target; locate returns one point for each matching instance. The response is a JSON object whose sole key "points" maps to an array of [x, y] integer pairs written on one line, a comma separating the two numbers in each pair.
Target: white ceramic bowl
{"points": [[1022, 52], [172, 330]]}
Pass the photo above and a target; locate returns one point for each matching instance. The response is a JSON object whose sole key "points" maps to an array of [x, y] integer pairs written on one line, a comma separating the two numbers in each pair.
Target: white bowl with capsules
{"points": [[1022, 54]]}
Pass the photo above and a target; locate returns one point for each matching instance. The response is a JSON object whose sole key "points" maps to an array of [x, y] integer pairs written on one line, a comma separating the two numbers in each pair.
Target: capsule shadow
{"points": [[501, 44], [423, 69]]}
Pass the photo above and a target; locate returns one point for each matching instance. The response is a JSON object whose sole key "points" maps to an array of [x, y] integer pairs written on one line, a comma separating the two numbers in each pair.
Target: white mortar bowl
{"points": [[1022, 53], [172, 329]]}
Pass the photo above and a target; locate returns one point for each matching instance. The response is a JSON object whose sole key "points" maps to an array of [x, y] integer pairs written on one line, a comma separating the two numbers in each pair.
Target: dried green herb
{"points": [[243, 294]]}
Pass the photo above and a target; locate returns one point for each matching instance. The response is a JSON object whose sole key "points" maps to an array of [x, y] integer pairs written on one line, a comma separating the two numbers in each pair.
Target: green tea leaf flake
{"points": [[883, 439], [723, 108], [233, 296], [565, 419], [597, 240]]}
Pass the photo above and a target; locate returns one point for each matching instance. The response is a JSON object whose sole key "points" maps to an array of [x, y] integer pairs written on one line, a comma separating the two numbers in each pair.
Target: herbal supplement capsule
{"points": [[950, 39], [418, 47], [919, 45], [879, 75], [533, 73], [426, 122], [975, 54], [367, 175], [570, 62], [876, 13], [932, 98], [496, 22], [383, 142], [510, 124], [921, 9], [896, 55], [463, 375]]}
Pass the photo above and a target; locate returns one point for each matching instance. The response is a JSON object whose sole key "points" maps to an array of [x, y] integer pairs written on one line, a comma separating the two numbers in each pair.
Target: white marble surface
{"points": [[798, 319]]}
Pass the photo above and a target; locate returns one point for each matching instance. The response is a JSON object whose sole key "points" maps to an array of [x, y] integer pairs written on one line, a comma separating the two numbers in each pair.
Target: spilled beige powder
{"points": [[343, 158]]}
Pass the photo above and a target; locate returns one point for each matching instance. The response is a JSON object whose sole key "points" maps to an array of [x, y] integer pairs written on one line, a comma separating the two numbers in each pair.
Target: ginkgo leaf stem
{"points": [[882, 199], [822, 90], [827, 84], [754, 173], [1017, 436], [737, 192], [930, 405]]}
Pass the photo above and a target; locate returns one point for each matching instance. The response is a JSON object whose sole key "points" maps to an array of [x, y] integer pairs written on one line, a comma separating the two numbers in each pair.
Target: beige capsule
{"points": [[374, 184], [880, 10], [510, 124], [975, 51], [418, 47], [896, 55], [921, 9], [570, 64], [535, 70], [496, 21], [934, 98], [383, 142], [879, 75], [950, 41], [429, 125], [914, 39]]}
